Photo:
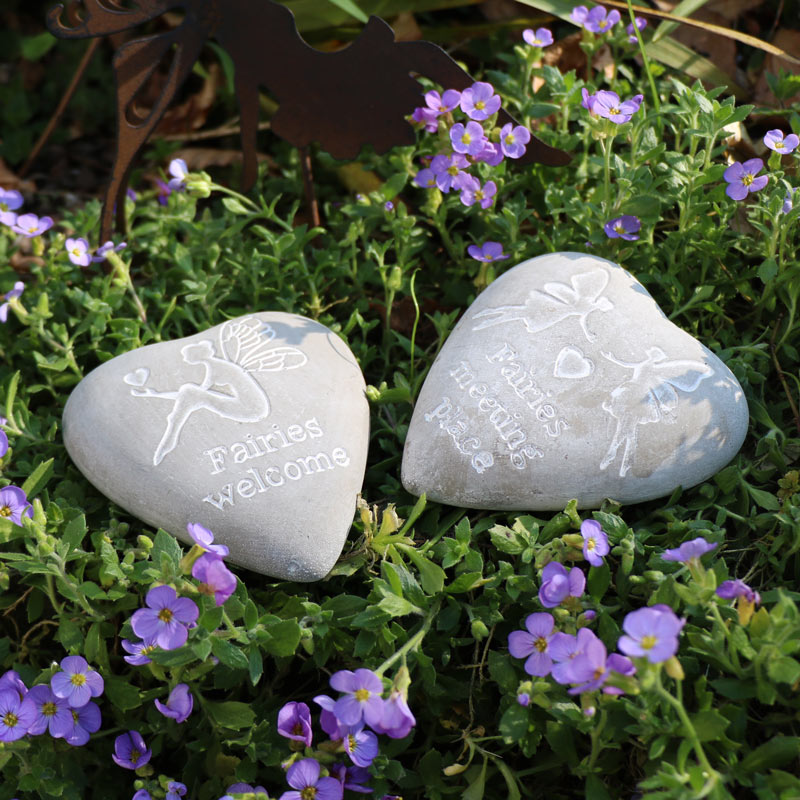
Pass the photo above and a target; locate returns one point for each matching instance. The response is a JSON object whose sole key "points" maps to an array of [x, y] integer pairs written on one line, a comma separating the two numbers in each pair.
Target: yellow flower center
{"points": [[10, 720], [75, 251], [466, 138], [75, 717], [5, 511], [351, 740], [452, 170], [480, 105], [614, 111], [603, 25], [540, 644], [135, 755], [165, 615], [309, 793], [32, 229], [619, 229], [510, 139], [649, 642], [49, 708], [598, 673], [147, 649], [362, 695], [747, 179], [479, 194], [590, 543], [78, 679]]}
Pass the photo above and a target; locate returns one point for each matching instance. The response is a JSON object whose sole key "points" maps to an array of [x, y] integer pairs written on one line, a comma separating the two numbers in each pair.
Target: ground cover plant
{"points": [[648, 650]]}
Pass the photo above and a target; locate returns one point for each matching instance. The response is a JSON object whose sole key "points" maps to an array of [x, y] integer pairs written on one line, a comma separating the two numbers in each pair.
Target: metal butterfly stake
{"points": [[343, 100]]}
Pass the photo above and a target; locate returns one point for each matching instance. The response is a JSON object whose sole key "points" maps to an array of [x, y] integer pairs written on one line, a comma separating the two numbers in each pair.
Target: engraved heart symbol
{"points": [[572, 363], [138, 377]]}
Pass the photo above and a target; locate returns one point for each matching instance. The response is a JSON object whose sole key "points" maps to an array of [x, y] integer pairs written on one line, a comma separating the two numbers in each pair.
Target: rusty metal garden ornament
{"points": [[343, 100]]}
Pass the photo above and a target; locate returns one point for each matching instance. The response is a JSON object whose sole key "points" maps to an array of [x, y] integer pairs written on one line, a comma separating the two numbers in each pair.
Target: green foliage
{"points": [[419, 585]]}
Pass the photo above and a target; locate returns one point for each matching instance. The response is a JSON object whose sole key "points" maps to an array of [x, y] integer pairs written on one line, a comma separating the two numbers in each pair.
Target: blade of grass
{"points": [[683, 9], [349, 7]]}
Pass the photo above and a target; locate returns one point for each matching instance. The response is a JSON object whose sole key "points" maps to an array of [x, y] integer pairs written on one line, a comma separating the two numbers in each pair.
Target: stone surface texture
{"points": [[563, 380], [257, 429]]}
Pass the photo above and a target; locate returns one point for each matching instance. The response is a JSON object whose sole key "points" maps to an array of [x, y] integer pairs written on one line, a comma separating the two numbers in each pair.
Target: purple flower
{"points": [[524, 699], [588, 100], [78, 683], [175, 790], [741, 178], [479, 102], [17, 714], [10, 201], [564, 649], [600, 21], [595, 542], [362, 697], [30, 225], [165, 619], [641, 24], [131, 195], [304, 775], [651, 632], [492, 153], [205, 538], [328, 721], [14, 503], [397, 720], [441, 104], [294, 722], [3, 443], [361, 746], [105, 249], [607, 104], [163, 191], [579, 14], [130, 751], [488, 251], [689, 550], [426, 178], [588, 668], [179, 171], [625, 227], [541, 37], [11, 680], [179, 704], [86, 720], [787, 201], [78, 252], [472, 192], [732, 589], [513, 140], [468, 138], [352, 777], [18, 289], [427, 117], [448, 170], [388, 206], [776, 141], [246, 788], [139, 651], [215, 578], [534, 644], [53, 713], [558, 584]]}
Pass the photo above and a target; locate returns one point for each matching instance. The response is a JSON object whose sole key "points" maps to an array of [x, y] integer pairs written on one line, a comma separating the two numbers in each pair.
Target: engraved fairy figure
{"points": [[229, 387], [557, 302], [647, 396]]}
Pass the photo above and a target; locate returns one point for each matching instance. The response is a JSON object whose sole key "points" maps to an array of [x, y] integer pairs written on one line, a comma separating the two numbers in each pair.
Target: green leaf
{"points": [[70, 636], [514, 723], [598, 581], [511, 781], [74, 532], [236, 206], [211, 619], [783, 669], [398, 606], [774, 753], [250, 615], [349, 7], [710, 725], [285, 636], [231, 714], [596, 789], [465, 582], [502, 671], [167, 544], [768, 270], [202, 649], [256, 665], [477, 786], [34, 47], [121, 693], [37, 480], [230, 655]]}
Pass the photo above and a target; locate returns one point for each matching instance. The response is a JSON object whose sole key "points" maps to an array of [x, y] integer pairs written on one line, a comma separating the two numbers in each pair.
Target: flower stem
{"points": [[713, 778], [414, 641], [646, 62]]}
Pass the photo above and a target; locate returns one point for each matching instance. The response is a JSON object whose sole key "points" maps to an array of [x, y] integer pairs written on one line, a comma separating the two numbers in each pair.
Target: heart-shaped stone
{"points": [[257, 429], [564, 380]]}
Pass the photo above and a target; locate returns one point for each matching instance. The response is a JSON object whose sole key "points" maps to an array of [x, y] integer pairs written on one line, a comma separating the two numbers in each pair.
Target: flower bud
{"points": [[479, 629], [653, 575], [395, 281], [145, 543], [373, 394], [674, 669], [454, 769]]}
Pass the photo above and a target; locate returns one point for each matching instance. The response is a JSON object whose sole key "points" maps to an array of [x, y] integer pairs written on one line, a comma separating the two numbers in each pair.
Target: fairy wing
{"points": [[589, 285], [682, 374], [248, 343]]}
